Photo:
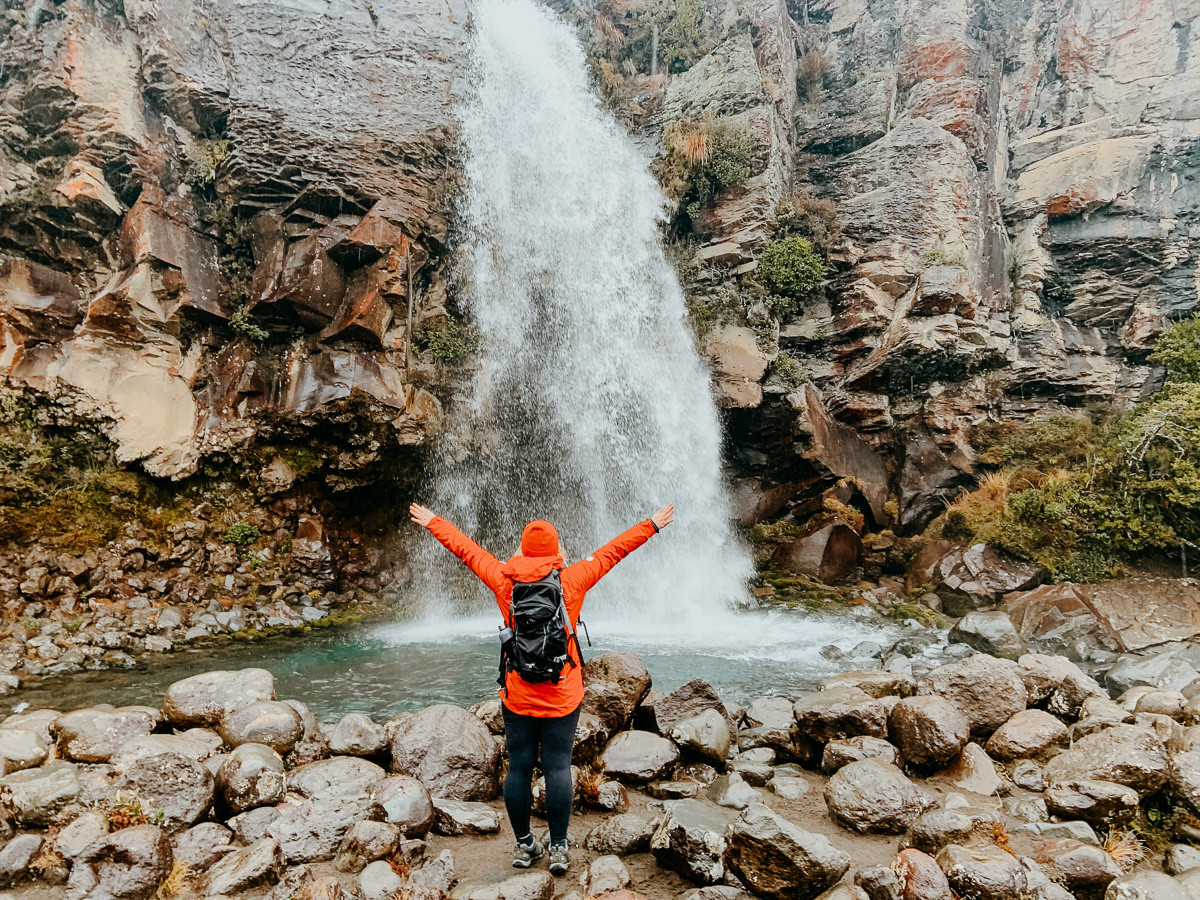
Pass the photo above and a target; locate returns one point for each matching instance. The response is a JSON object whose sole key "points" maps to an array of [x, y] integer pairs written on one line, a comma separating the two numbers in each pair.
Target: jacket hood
{"points": [[531, 568]]}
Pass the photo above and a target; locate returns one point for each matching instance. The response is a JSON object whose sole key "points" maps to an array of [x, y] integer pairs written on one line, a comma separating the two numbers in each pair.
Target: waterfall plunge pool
{"points": [[384, 669]]}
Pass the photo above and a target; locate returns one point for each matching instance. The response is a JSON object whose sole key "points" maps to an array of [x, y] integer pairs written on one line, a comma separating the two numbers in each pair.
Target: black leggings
{"points": [[556, 738]]}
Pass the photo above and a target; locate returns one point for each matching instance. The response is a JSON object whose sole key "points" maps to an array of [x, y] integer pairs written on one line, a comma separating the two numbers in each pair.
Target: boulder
{"points": [[1165, 669], [455, 817], [1182, 858], [939, 828], [406, 803], [929, 730], [839, 753], [129, 864], [605, 875], [777, 859], [986, 872], [356, 735], [366, 842], [36, 796], [36, 720], [252, 825], [259, 864], [1183, 775], [693, 698], [16, 859], [177, 788], [93, 735], [450, 751], [828, 549], [1146, 886], [1123, 754], [1029, 775], [328, 779], [1083, 869], [838, 713], [196, 743], [202, 846], [313, 830], [252, 775], [638, 757], [704, 736], [976, 577], [987, 691], [73, 838], [872, 796], [990, 632], [620, 835], [919, 877], [1058, 683], [205, 698], [732, 792], [1100, 803], [526, 886], [1030, 733], [974, 771], [268, 722], [379, 881], [875, 684], [690, 840], [20, 749], [614, 685]]}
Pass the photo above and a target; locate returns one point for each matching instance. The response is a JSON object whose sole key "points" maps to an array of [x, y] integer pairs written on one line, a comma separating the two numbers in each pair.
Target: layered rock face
{"points": [[1015, 189], [223, 218]]}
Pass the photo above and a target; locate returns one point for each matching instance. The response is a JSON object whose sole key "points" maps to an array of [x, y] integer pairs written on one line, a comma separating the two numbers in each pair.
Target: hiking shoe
{"points": [[525, 855], [560, 860]]}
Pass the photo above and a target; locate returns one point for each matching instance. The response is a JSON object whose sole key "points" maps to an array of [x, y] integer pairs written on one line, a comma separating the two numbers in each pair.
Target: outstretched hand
{"points": [[664, 516], [422, 515]]}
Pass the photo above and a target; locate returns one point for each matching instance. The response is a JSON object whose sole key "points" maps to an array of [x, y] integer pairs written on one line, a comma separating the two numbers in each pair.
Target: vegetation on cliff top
{"points": [[1082, 495]]}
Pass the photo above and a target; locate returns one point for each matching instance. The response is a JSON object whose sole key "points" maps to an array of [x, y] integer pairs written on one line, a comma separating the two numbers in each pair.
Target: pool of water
{"points": [[383, 669]]}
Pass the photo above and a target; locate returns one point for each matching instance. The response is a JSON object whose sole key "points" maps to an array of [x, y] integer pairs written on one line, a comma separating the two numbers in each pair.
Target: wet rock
{"points": [[876, 684], [313, 830], [1029, 775], [920, 877], [732, 792], [839, 713], [704, 736], [872, 796], [20, 749], [638, 757], [455, 817], [611, 796], [988, 632], [1182, 858], [366, 842], [293, 885], [878, 881], [1183, 775], [71, 840], [36, 796], [129, 864], [777, 859], [1123, 754], [614, 685], [605, 874], [379, 881], [987, 872], [840, 753], [929, 730], [328, 779], [1146, 886], [252, 775], [828, 549], [620, 835], [986, 690], [450, 751], [195, 744], [356, 735], [268, 722], [17, 857], [976, 577], [437, 875], [1082, 869], [939, 828], [527, 886], [1165, 670], [1162, 703], [180, 789], [252, 825], [205, 698], [1058, 682], [38, 721], [93, 735], [674, 790], [690, 840], [1029, 733], [665, 712], [406, 803], [202, 846], [788, 787], [974, 771], [259, 864]]}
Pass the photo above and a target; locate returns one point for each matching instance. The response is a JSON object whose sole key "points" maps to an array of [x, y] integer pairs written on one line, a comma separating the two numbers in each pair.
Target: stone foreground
{"points": [[1001, 779]]}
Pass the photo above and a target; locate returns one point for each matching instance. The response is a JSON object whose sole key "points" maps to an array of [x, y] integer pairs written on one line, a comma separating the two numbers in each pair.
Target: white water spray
{"points": [[590, 407]]}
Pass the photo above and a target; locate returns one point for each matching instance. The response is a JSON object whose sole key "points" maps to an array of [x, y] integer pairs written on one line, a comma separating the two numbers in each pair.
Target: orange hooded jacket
{"points": [[520, 696]]}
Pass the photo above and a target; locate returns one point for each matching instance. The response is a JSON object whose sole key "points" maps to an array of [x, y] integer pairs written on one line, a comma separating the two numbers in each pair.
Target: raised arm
{"points": [[589, 571], [478, 560]]}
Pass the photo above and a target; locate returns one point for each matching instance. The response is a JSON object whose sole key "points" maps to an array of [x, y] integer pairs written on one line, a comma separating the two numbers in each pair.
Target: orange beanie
{"points": [[539, 539]]}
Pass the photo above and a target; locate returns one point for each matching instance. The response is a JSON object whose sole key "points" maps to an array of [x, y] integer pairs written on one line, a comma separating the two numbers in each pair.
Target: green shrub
{"points": [[939, 256], [242, 325], [790, 371], [206, 159], [243, 534], [790, 268], [1178, 351], [452, 341]]}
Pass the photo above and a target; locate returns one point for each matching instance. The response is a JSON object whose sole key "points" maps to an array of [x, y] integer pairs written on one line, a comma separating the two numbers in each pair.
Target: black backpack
{"points": [[538, 647]]}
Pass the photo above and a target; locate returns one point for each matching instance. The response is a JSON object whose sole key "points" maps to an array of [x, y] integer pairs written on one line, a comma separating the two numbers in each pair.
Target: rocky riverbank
{"points": [[985, 778]]}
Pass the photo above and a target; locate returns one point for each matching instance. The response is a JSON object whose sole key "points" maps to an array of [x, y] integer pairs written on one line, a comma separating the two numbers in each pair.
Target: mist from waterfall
{"points": [[590, 407]]}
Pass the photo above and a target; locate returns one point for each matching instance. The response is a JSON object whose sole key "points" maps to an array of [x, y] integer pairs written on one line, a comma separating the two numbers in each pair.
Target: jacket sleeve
{"points": [[587, 572], [478, 560]]}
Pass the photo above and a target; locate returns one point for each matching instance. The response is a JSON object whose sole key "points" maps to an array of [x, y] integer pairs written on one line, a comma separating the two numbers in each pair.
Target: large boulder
{"points": [[693, 698], [366, 842], [94, 735], [20, 749], [1030, 733], [778, 860], [704, 736], [840, 753], [1123, 754], [987, 872], [1100, 803], [177, 788], [129, 864], [638, 757], [450, 751], [975, 577], [342, 776], [73, 838], [935, 829], [313, 830], [357, 735], [1147, 886], [873, 796], [37, 796], [828, 549], [267, 722], [1083, 869], [929, 730], [621, 835], [16, 859], [990, 632], [250, 776], [456, 817], [614, 684], [1057, 682], [988, 691], [205, 698], [200, 847], [259, 864], [405, 802], [690, 840], [838, 713], [919, 877]]}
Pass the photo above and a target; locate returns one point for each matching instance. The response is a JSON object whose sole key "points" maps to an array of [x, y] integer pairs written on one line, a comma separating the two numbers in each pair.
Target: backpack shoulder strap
{"points": [[567, 617]]}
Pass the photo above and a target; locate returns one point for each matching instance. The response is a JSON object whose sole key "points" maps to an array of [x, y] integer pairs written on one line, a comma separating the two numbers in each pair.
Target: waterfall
{"points": [[590, 407]]}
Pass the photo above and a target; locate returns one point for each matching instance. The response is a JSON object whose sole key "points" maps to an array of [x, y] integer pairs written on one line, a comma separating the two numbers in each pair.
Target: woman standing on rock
{"points": [[541, 693]]}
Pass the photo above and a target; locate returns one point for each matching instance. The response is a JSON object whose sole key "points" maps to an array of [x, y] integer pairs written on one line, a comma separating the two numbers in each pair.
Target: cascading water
{"points": [[590, 406]]}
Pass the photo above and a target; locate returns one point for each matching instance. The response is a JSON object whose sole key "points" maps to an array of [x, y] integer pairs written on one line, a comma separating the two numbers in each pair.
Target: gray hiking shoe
{"points": [[525, 856], [560, 859]]}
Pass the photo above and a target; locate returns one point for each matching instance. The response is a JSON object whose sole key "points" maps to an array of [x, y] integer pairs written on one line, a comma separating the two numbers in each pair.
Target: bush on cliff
{"points": [[790, 268]]}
